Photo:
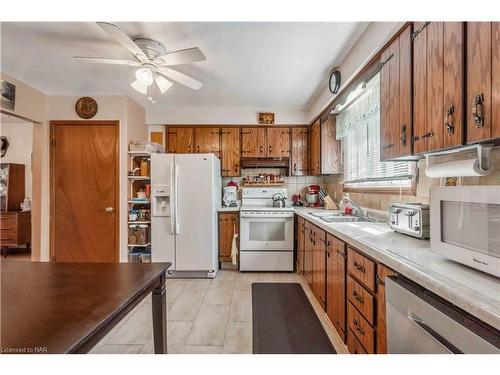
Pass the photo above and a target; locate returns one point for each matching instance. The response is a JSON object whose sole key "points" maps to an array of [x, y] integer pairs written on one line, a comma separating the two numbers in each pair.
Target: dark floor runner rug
{"points": [[284, 322]]}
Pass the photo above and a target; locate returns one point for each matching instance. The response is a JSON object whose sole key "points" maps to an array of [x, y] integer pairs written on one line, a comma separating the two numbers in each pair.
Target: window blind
{"points": [[361, 147]]}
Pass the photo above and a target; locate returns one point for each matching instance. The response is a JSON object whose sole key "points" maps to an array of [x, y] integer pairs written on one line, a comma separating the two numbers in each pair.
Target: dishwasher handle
{"points": [[435, 335]]}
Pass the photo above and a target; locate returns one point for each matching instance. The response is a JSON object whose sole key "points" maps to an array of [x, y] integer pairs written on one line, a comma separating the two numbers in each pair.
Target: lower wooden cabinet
{"points": [[229, 224], [348, 284], [336, 283], [300, 245], [319, 267]]}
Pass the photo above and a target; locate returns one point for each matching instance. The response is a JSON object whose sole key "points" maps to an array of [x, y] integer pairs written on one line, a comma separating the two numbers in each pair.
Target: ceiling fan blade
{"points": [[182, 56], [180, 78], [100, 60], [123, 39]]}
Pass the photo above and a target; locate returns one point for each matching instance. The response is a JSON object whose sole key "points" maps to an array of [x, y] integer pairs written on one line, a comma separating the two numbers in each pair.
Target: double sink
{"points": [[337, 217]]}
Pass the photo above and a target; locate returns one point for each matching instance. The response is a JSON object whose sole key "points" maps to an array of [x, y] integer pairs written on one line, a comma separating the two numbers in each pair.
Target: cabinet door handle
{"points": [[358, 328], [359, 267], [477, 110], [387, 146], [189, 148], [427, 135], [403, 135], [357, 297], [449, 120], [270, 148], [295, 167], [261, 149]]}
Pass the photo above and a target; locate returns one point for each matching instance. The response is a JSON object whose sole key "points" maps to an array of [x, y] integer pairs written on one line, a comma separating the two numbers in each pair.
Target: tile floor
{"points": [[203, 317]]}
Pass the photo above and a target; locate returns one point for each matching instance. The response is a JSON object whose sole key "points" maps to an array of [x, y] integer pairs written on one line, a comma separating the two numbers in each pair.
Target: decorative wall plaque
{"points": [[266, 118], [86, 107]]}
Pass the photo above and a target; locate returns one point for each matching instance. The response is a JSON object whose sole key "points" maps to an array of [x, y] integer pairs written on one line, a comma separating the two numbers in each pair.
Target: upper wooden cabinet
{"points": [[438, 90], [207, 140], [180, 140], [331, 149], [483, 81], [395, 98], [230, 152], [298, 164], [278, 142], [253, 142], [315, 148]]}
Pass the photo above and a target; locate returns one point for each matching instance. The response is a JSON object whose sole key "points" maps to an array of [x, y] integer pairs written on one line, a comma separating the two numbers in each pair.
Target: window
{"points": [[359, 127]]}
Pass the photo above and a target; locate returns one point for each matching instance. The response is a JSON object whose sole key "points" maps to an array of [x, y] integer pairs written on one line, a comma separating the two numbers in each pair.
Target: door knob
{"points": [[109, 209]]}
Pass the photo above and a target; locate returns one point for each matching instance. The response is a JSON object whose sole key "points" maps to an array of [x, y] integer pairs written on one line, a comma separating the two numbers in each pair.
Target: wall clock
{"points": [[86, 107], [334, 82]]}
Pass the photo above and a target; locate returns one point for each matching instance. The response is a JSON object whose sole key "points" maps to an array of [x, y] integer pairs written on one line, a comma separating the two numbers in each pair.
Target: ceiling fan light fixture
{"points": [[139, 86], [145, 76], [163, 83]]}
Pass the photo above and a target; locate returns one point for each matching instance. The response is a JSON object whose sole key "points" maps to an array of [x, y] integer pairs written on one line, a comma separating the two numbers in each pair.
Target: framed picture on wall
{"points": [[8, 95]]}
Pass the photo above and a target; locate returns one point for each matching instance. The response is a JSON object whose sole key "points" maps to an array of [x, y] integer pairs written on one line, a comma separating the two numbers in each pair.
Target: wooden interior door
{"points": [[315, 148], [230, 152], [299, 152], [180, 140], [253, 142], [278, 142], [207, 141], [84, 191]]}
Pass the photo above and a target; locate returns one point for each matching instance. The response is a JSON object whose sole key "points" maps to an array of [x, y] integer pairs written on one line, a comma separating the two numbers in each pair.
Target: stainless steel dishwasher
{"points": [[418, 321]]}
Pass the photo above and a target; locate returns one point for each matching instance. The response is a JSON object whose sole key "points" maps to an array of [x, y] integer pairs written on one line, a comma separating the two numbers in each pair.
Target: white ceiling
{"points": [[268, 65]]}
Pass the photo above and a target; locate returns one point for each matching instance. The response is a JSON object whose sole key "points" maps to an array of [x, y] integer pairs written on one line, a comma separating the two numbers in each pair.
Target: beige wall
{"points": [[32, 104], [369, 43], [381, 202]]}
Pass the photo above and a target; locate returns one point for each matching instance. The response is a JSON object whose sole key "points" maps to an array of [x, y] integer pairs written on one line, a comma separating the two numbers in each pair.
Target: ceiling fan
{"points": [[152, 62]]}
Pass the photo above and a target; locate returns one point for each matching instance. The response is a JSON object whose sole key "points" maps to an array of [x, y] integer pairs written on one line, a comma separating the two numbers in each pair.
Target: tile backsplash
{"points": [[294, 184], [381, 202]]}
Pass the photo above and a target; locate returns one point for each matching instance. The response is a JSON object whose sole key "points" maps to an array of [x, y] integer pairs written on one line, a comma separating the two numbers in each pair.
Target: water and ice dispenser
{"points": [[161, 200]]}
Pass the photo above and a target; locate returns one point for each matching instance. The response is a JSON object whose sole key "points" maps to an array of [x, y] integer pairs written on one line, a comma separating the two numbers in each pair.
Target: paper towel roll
{"points": [[455, 168]]}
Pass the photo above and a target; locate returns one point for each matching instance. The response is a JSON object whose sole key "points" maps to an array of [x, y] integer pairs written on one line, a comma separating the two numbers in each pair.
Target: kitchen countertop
{"points": [[475, 292], [230, 209]]}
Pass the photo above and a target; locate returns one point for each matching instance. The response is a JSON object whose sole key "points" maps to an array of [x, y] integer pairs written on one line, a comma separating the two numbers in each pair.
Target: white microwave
{"points": [[465, 225]]}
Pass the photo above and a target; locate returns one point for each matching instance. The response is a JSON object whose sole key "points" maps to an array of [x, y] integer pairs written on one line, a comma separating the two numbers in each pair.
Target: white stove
{"points": [[266, 232]]}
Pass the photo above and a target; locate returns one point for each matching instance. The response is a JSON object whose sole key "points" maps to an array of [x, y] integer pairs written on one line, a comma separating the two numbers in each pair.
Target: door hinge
{"points": [[419, 30]]}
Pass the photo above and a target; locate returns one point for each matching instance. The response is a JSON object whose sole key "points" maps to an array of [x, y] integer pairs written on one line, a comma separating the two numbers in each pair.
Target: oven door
{"points": [[465, 225], [271, 231]]}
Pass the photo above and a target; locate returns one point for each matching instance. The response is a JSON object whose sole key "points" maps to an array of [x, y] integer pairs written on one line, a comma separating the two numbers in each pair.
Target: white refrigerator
{"points": [[185, 196]]}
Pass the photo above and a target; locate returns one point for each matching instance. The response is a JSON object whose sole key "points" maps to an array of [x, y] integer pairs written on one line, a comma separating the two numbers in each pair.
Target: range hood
{"points": [[265, 162]]}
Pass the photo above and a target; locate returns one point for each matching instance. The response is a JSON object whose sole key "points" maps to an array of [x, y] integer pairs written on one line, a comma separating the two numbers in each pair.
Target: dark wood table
{"points": [[70, 307]]}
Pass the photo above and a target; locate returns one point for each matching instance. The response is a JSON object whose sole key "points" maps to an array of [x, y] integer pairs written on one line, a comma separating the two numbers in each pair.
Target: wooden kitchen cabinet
{"points": [[300, 245], [278, 142], [396, 98], [207, 141], [308, 253], [230, 152], [299, 163], [319, 265], [381, 335], [315, 148], [483, 81], [180, 140], [331, 151], [336, 283], [438, 91], [229, 223], [253, 141]]}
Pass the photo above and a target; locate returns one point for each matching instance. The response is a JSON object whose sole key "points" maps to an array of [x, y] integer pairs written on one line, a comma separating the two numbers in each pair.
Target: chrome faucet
{"points": [[356, 209]]}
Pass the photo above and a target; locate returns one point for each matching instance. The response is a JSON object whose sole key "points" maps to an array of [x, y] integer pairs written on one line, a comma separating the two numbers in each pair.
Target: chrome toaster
{"points": [[410, 218]]}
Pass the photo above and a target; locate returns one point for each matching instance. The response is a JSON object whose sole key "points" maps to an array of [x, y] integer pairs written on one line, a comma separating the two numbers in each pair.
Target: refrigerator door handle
{"points": [[176, 199], [172, 203]]}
